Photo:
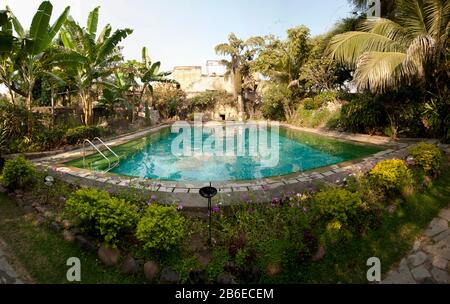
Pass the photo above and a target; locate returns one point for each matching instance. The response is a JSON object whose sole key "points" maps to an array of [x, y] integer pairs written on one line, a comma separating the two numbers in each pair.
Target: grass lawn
{"points": [[44, 253]]}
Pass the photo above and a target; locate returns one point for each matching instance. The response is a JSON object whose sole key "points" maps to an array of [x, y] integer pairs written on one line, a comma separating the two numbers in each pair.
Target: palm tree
{"points": [[387, 54], [90, 57], [241, 53], [150, 74]]}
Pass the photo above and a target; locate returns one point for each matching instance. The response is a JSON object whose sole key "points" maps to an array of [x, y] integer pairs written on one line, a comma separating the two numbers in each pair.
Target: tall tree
{"points": [[92, 57], [241, 54]]}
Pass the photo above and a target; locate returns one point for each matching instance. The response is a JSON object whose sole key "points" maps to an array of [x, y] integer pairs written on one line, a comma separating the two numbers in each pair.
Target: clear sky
{"points": [[184, 32]]}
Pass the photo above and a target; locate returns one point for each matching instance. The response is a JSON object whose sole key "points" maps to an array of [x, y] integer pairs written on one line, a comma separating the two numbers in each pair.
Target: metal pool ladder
{"points": [[111, 164]]}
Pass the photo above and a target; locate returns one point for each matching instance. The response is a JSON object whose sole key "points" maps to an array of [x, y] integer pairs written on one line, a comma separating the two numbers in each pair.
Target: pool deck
{"points": [[261, 190]]}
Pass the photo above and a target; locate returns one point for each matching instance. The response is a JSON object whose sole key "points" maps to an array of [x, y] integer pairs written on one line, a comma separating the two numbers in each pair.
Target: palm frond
{"points": [[421, 51], [348, 47], [224, 49], [412, 17], [378, 71]]}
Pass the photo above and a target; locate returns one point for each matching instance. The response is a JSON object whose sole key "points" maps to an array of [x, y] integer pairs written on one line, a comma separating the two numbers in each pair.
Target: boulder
{"points": [[198, 276], [128, 266], [108, 255], [150, 270], [68, 236], [225, 279], [84, 243], [168, 276], [319, 254], [273, 269]]}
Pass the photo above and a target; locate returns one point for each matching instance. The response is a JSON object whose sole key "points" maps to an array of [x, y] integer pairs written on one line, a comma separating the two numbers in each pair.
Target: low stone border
{"points": [[428, 261], [262, 190]]}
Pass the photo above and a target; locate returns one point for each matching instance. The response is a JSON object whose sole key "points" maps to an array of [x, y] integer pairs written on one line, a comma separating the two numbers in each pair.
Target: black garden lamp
{"points": [[209, 192]]}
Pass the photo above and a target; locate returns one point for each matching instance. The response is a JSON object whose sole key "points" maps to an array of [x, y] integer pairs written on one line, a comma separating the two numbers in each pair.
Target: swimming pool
{"points": [[153, 157]]}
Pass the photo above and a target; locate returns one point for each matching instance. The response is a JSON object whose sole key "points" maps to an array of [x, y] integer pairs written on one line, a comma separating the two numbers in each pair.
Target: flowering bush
{"points": [[426, 156], [391, 174], [161, 227], [105, 215]]}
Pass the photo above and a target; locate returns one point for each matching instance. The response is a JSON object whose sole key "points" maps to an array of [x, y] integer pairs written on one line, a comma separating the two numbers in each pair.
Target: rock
{"points": [[128, 266], [168, 276], [204, 259], [445, 214], [40, 209], [443, 235], [440, 276], [84, 243], [28, 209], [229, 267], [420, 273], [66, 224], [225, 279], [198, 276], [68, 236], [273, 269], [38, 220], [417, 259], [108, 255], [440, 263], [150, 270], [319, 254], [436, 226], [55, 227]]}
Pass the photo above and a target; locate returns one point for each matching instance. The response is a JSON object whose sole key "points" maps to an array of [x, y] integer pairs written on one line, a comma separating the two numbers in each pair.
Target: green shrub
{"points": [[47, 139], [364, 114], [106, 216], [77, 135], [17, 173], [337, 211], [336, 204], [391, 174], [161, 228], [427, 156], [310, 104]]}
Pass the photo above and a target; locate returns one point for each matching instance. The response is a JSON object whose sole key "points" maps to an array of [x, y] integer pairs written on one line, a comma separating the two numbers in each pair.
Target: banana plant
{"points": [[32, 46], [149, 75], [6, 51], [91, 56]]}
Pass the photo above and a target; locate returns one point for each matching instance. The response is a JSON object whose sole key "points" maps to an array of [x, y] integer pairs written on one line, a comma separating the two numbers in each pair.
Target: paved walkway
{"points": [[428, 261], [7, 273]]}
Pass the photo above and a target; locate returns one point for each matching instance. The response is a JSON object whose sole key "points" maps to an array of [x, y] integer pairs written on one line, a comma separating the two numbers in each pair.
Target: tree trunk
{"points": [[52, 100], [87, 109], [13, 98], [30, 109]]}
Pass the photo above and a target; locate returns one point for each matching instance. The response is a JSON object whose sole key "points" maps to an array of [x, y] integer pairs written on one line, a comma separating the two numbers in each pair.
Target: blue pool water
{"points": [[293, 152]]}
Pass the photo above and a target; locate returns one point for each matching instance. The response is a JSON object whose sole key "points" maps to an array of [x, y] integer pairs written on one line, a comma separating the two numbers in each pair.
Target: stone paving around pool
{"points": [[261, 190], [8, 275], [428, 261]]}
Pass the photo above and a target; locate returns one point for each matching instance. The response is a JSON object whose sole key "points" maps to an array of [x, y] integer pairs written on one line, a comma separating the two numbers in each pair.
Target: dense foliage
{"points": [[427, 156], [160, 228], [106, 216], [17, 173]]}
